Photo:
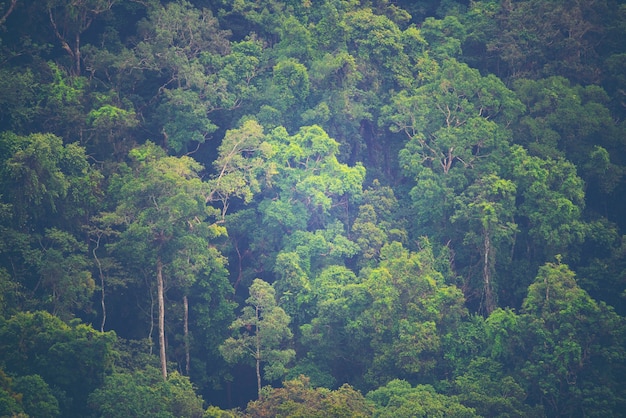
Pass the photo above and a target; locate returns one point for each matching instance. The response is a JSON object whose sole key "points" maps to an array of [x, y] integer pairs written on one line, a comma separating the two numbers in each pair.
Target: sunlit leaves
{"points": [[299, 398], [242, 165]]}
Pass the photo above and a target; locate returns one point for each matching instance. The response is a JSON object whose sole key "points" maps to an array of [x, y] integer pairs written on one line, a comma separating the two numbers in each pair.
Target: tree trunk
{"points": [[102, 292], [161, 302], [8, 12], [77, 54], [489, 299], [186, 332], [258, 354]]}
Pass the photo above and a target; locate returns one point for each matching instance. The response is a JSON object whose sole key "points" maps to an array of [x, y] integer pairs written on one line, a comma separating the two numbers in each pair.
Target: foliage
{"points": [[420, 199], [144, 393], [298, 399], [71, 359], [261, 333], [399, 399]]}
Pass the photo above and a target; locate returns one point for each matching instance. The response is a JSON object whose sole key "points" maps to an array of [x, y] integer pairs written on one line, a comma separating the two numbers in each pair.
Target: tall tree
{"points": [[490, 202], [261, 333], [163, 215]]}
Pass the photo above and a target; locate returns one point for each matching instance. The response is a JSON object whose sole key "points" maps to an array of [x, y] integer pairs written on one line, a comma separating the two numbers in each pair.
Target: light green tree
{"points": [[399, 399], [261, 334]]}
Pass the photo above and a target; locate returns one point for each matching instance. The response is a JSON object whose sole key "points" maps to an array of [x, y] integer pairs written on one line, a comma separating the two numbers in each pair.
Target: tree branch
{"points": [[6, 15]]}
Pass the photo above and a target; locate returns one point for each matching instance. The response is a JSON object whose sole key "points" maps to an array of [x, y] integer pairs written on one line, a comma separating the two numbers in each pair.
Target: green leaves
{"points": [[399, 399], [144, 393], [71, 358], [261, 333]]}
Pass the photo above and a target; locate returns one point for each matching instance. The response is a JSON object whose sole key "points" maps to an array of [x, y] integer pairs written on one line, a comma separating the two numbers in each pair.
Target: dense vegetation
{"points": [[312, 208]]}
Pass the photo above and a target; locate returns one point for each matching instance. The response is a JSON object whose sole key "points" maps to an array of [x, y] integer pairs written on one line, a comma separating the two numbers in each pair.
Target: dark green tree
{"points": [[166, 223]]}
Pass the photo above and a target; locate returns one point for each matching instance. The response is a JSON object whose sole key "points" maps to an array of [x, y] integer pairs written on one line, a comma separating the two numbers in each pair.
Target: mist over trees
{"points": [[364, 208]]}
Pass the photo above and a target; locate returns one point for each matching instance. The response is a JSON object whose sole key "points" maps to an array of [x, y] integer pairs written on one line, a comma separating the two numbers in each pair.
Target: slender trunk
{"points": [[104, 308], [161, 318], [77, 54], [258, 354], [186, 331], [151, 316], [489, 302], [8, 12]]}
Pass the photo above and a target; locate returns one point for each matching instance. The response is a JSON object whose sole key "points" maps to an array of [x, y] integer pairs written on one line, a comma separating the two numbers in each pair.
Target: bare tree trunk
{"points": [[186, 333], [151, 315], [489, 300], [258, 354], [77, 54], [102, 303], [161, 302]]}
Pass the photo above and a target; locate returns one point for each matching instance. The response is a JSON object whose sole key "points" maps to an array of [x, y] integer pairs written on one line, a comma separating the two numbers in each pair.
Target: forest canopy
{"points": [[364, 208]]}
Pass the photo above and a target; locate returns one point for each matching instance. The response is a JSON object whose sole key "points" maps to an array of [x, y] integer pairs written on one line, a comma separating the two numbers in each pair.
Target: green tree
{"points": [[183, 49], [71, 359], [411, 309], [456, 125], [485, 388], [399, 399], [490, 202], [241, 165], [43, 176], [575, 347], [65, 270], [162, 210], [50, 190], [297, 398], [301, 190], [261, 334], [377, 222], [10, 401], [37, 397], [551, 199], [144, 393], [532, 38], [338, 349]]}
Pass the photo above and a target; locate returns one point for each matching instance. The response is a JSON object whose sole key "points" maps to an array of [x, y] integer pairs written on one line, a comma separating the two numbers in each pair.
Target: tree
{"points": [[6, 13], [182, 50], [37, 396], [144, 393], [241, 165], [71, 359], [10, 401], [411, 309], [298, 398], [261, 333], [70, 21], [456, 124], [43, 175], [164, 218], [575, 353], [550, 203], [485, 388], [399, 399], [533, 38], [50, 190], [490, 202]]}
